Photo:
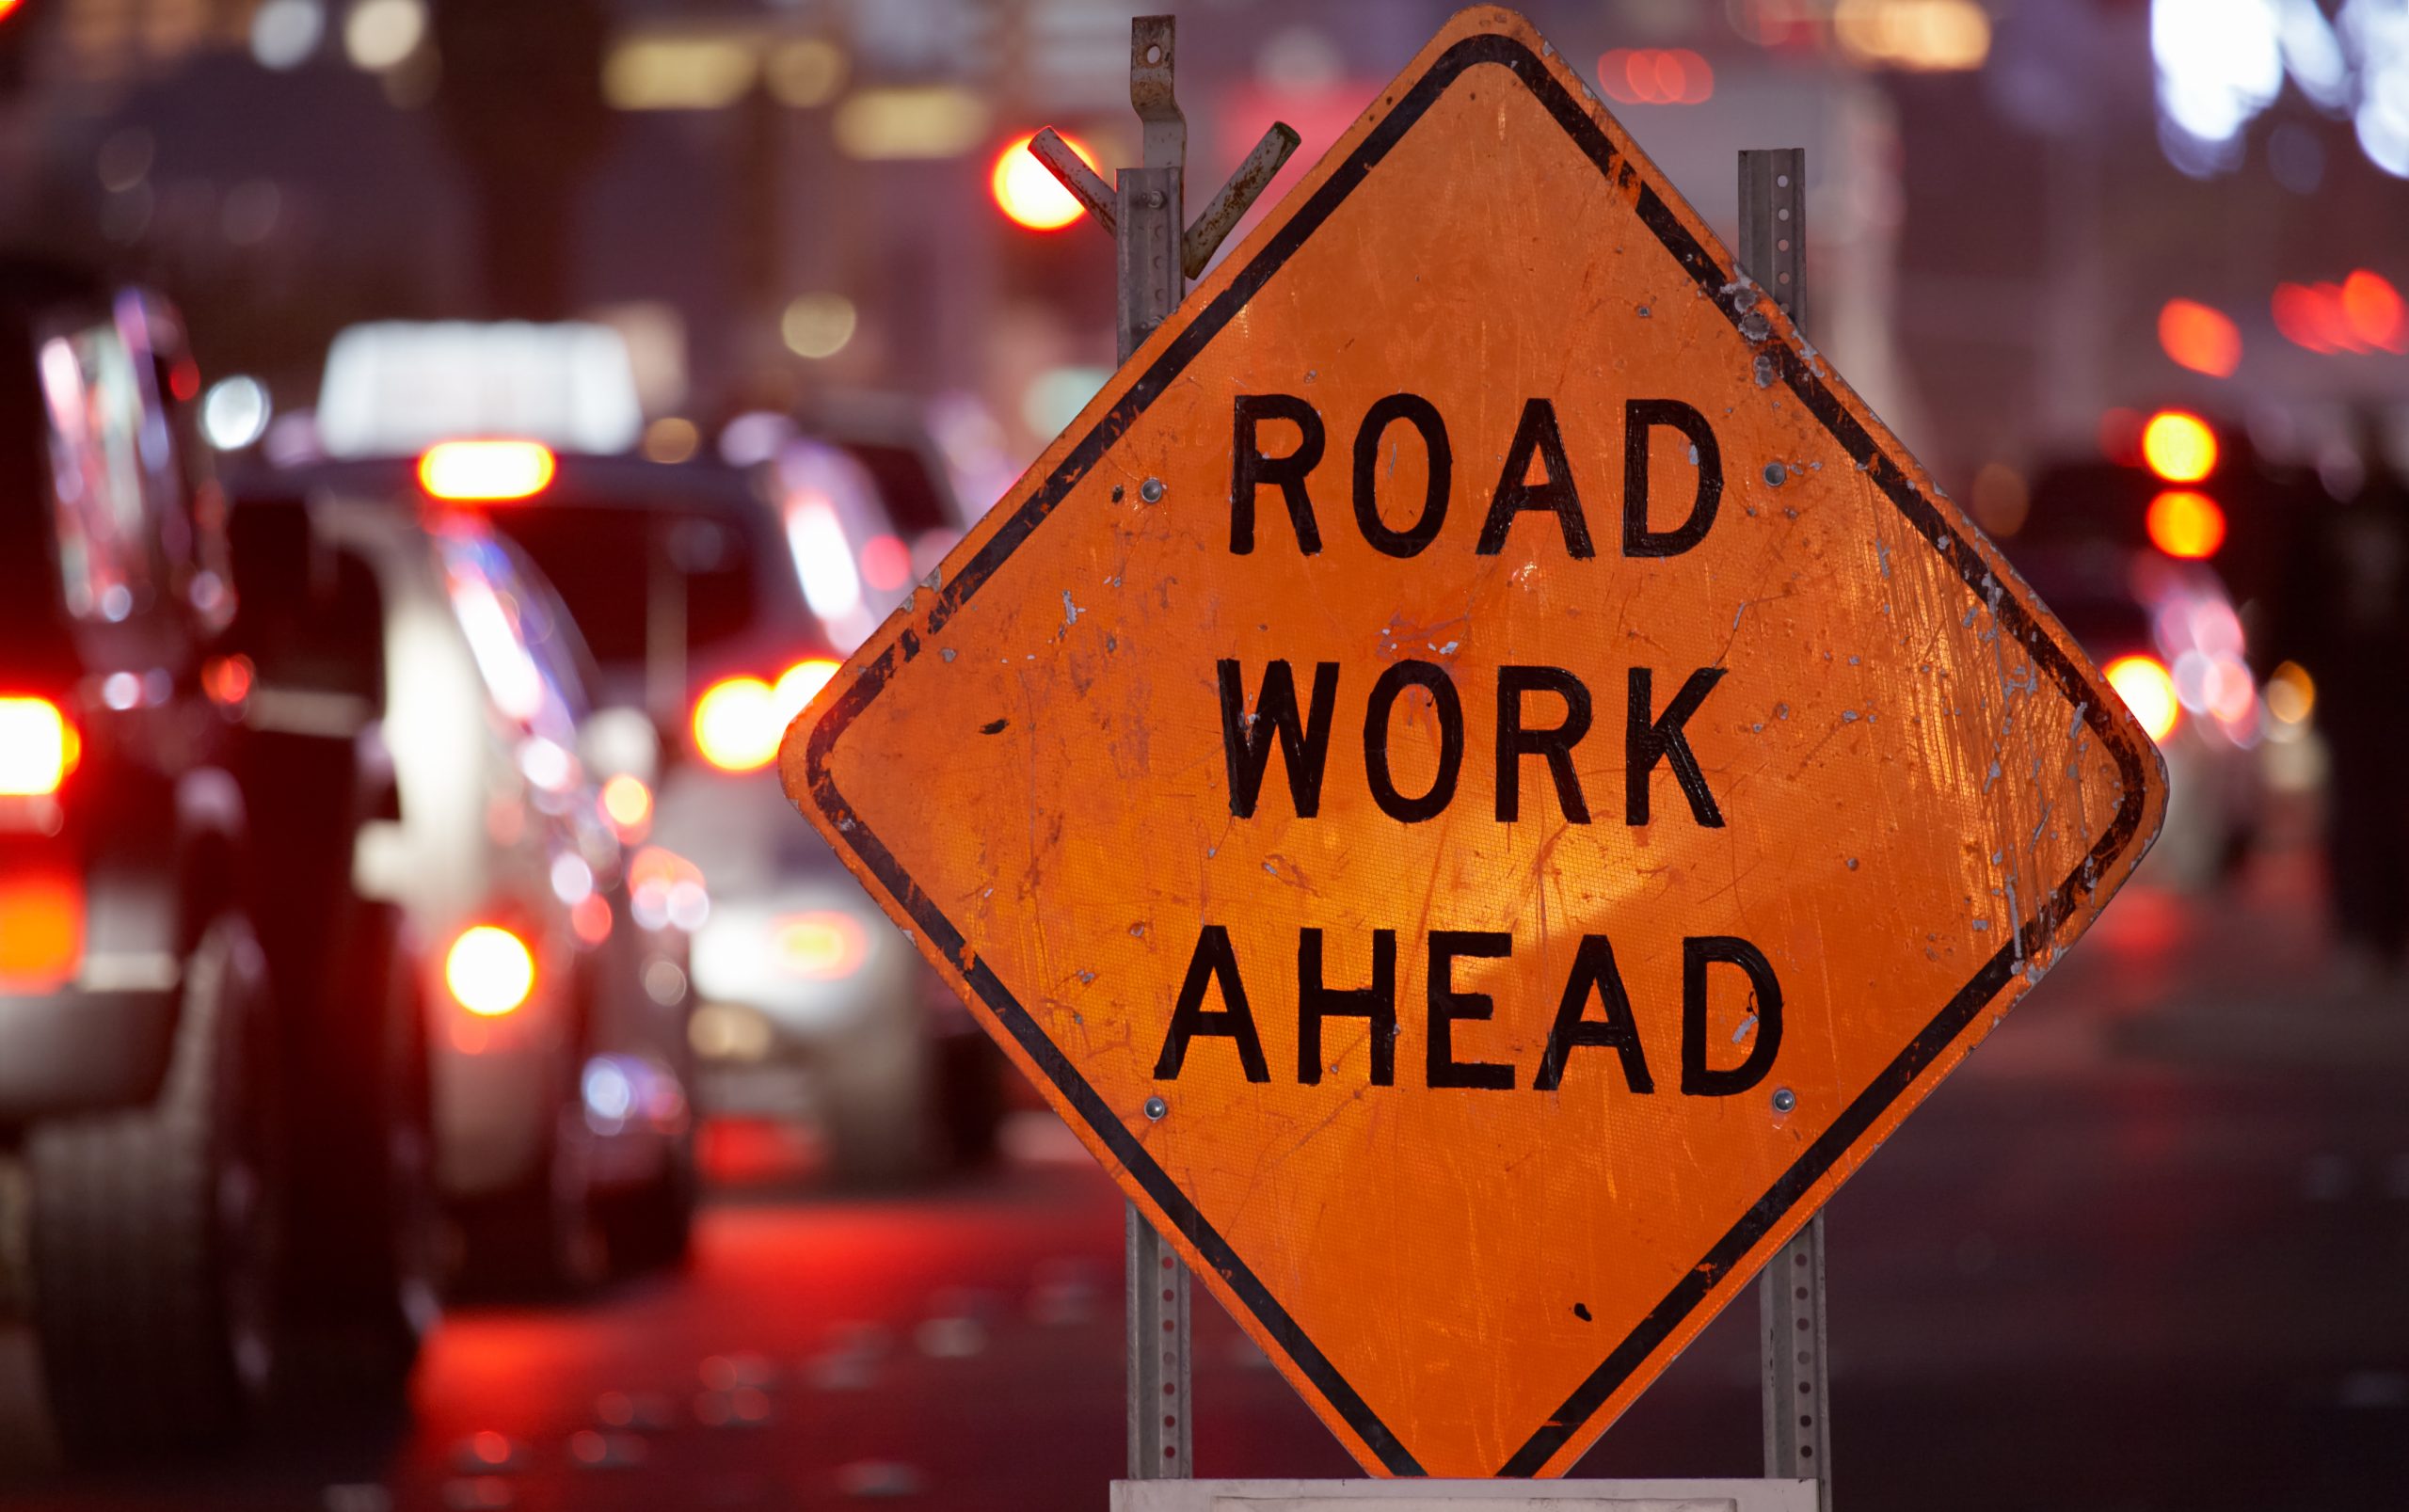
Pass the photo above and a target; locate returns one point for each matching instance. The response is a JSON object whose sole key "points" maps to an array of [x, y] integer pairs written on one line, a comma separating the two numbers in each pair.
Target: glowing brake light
{"points": [[469, 472], [736, 725], [739, 721], [41, 928], [2148, 689], [2186, 524], [796, 686], [38, 747], [489, 970], [2179, 447]]}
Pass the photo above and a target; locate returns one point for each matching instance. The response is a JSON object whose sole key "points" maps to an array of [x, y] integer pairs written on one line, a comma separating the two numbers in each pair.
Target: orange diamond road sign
{"points": [[1484, 726]]}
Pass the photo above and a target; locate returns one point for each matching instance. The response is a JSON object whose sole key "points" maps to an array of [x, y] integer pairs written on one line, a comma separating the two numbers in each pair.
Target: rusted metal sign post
{"points": [[1477, 777], [1790, 1291], [1157, 253]]}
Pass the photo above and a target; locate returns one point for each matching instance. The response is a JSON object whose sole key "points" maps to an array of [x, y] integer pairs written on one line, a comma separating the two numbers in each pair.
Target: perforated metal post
{"points": [[1151, 281], [1797, 1383], [1157, 251]]}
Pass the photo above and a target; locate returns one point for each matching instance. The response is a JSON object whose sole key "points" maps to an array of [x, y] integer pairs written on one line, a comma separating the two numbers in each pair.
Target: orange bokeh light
{"points": [[2179, 447], [1655, 76], [2186, 523], [2199, 338], [627, 802], [737, 726], [1025, 189], [2362, 313], [2371, 307], [41, 928], [2148, 689]]}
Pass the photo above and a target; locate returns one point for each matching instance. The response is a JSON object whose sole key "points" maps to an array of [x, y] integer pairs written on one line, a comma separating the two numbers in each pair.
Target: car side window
{"points": [[107, 544], [513, 632]]}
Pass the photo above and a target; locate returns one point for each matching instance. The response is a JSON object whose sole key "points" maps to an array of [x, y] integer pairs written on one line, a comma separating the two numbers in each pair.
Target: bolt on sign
{"points": [[1477, 775]]}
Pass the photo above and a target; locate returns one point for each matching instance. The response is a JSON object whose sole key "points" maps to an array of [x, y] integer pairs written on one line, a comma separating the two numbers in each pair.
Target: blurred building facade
{"points": [[782, 199]]}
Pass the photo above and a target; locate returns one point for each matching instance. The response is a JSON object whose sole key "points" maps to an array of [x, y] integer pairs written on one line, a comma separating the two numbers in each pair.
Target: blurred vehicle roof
{"points": [[394, 388]]}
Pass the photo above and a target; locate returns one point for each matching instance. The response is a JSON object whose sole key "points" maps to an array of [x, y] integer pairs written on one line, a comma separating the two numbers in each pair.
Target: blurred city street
{"points": [[592, 591], [2145, 1251]]}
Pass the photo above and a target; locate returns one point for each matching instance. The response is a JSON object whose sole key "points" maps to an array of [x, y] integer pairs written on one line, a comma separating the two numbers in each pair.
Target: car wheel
{"points": [[968, 1114], [363, 1258], [541, 1239], [651, 1226], [154, 1233]]}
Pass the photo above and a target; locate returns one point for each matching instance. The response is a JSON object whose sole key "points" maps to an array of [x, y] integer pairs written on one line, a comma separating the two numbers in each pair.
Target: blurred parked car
{"points": [[721, 610], [163, 1049], [556, 998]]}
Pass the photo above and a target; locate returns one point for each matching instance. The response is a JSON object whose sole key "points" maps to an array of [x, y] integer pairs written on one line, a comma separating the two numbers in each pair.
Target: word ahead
{"points": [[1593, 975]]}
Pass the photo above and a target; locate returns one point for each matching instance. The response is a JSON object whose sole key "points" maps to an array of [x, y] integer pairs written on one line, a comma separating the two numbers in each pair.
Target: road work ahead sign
{"points": [[1477, 775]]}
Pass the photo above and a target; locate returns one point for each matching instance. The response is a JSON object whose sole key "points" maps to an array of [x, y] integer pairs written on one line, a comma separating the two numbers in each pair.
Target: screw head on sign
{"points": [[1151, 490], [1776, 475], [1157, 1107], [1785, 1100]]}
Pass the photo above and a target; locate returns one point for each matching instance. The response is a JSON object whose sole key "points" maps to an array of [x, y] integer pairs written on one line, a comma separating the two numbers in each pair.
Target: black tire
{"points": [[154, 1234], [541, 1239], [969, 1114], [651, 1226], [362, 1252]]}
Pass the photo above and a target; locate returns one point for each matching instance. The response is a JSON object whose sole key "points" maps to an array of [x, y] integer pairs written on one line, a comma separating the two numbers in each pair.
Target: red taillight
{"points": [[41, 928], [739, 721], [2148, 689], [38, 747], [486, 471], [736, 725], [489, 970]]}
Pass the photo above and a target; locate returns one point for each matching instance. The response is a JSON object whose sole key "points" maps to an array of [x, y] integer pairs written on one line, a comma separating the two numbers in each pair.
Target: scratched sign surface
{"points": [[1482, 723]]}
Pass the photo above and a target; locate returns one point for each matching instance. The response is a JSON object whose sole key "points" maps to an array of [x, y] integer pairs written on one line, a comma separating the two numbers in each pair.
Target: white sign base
{"points": [[1463, 1496]]}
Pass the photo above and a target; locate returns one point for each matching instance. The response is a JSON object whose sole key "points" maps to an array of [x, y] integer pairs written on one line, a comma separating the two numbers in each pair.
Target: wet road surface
{"points": [[2147, 1250]]}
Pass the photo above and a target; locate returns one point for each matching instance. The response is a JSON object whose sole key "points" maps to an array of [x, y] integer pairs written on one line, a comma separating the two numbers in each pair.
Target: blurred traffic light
{"points": [[2186, 523], [2179, 447], [1025, 189]]}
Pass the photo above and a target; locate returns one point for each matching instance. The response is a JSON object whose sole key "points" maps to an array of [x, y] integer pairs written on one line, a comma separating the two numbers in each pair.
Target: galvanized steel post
{"points": [[1797, 1383], [1151, 281], [1157, 253]]}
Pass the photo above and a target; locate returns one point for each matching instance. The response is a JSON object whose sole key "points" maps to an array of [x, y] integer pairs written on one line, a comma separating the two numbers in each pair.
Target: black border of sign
{"points": [[1798, 373]]}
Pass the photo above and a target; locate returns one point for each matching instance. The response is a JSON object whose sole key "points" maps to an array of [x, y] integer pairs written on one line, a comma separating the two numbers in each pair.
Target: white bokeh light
{"points": [[285, 32], [235, 412]]}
